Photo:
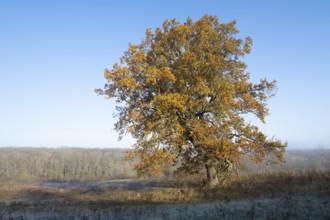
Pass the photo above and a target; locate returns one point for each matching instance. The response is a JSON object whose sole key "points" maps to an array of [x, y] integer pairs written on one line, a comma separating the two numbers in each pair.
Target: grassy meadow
{"points": [[75, 183]]}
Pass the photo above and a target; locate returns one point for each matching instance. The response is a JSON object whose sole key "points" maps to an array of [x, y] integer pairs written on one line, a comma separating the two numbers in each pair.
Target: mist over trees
{"points": [[81, 164], [64, 164]]}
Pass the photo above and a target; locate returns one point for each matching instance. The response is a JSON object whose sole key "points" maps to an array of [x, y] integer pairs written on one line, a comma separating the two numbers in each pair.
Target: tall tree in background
{"points": [[183, 93]]}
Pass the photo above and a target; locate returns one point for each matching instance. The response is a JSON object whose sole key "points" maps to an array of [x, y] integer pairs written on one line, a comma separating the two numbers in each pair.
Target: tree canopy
{"points": [[183, 93]]}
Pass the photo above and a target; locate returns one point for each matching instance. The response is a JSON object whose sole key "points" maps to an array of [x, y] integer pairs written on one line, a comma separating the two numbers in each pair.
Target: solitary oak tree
{"points": [[183, 93]]}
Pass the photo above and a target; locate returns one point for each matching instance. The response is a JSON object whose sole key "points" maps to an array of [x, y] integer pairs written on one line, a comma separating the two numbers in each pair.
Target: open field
{"points": [[298, 190]]}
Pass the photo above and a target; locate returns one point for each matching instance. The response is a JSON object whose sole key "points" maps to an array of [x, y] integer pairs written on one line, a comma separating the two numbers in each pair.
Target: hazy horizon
{"points": [[53, 55]]}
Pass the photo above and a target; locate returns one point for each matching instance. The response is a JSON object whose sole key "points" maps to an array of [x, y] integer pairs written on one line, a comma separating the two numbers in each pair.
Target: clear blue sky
{"points": [[53, 54]]}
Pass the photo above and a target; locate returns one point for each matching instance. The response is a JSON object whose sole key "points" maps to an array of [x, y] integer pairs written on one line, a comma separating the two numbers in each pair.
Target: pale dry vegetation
{"points": [[289, 195], [63, 164], [265, 193]]}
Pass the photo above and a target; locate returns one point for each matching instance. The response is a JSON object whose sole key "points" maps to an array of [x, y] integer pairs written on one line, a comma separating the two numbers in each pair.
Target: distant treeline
{"points": [[317, 159], [81, 164], [64, 164]]}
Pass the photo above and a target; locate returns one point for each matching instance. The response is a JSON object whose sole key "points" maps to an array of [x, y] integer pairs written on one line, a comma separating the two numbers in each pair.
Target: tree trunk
{"points": [[212, 176]]}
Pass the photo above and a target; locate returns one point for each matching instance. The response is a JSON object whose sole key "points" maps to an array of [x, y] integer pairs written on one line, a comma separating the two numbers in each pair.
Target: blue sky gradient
{"points": [[53, 54]]}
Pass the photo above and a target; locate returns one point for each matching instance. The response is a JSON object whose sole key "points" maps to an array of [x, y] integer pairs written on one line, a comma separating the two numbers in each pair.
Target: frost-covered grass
{"points": [[297, 194]]}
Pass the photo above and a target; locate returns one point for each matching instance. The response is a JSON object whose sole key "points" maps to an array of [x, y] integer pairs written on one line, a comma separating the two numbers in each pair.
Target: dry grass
{"points": [[171, 198], [288, 191], [273, 182], [248, 185]]}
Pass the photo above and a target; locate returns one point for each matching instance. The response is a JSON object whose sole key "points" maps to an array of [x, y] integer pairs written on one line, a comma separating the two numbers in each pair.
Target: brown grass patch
{"points": [[249, 185]]}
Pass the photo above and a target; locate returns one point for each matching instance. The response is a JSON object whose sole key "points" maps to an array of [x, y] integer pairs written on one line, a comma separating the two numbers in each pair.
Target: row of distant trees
{"points": [[64, 164], [81, 164]]}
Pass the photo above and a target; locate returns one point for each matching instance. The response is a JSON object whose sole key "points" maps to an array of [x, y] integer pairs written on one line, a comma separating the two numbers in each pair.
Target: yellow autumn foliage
{"points": [[183, 93]]}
